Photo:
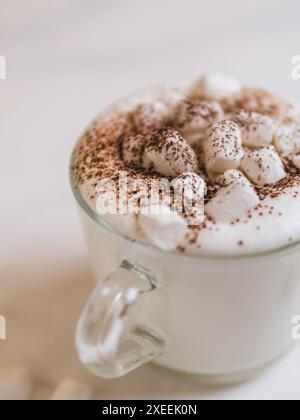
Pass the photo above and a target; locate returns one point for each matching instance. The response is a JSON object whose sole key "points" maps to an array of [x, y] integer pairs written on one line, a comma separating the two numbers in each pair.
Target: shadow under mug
{"points": [[214, 317]]}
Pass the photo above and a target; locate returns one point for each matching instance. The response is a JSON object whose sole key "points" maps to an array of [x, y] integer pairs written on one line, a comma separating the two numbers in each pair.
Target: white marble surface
{"points": [[65, 60]]}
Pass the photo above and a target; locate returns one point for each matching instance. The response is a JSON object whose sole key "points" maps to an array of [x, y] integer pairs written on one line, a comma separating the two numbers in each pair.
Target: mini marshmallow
{"points": [[232, 202], [164, 228], [190, 185], [189, 191], [296, 161], [150, 116], [170, 153], [133, 149], [263, 166], [125, 223], [223, 148], [171, 99], [231, 176], [15, 384], [194, 116], [257, 130], [216, 86], [287, 140], [69, 390]]}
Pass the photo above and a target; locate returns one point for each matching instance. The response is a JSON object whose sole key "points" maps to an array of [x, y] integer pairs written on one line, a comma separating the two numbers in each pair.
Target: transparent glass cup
{"points": [[214, 317]]}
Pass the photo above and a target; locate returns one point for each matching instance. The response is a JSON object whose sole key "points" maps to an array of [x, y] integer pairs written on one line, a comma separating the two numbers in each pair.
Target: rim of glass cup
{"points": [[289, 248]]}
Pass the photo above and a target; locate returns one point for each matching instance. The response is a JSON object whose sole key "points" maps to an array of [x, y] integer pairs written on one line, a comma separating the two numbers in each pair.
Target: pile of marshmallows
{"points": [[238, 152]]}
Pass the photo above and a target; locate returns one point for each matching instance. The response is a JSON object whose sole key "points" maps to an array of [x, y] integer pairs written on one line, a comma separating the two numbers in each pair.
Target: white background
{"points": [[66, 59]]}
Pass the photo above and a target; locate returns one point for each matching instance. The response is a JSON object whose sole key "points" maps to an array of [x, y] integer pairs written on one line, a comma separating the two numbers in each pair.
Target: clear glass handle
{"points": [[117, 330]]}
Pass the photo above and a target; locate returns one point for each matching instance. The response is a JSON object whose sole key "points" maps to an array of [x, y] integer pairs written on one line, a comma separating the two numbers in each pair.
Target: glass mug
{"points": [[221, 318]]}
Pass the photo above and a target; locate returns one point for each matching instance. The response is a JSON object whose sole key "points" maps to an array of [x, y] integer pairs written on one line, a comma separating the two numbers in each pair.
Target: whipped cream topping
{"points": [[222, 159]]}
